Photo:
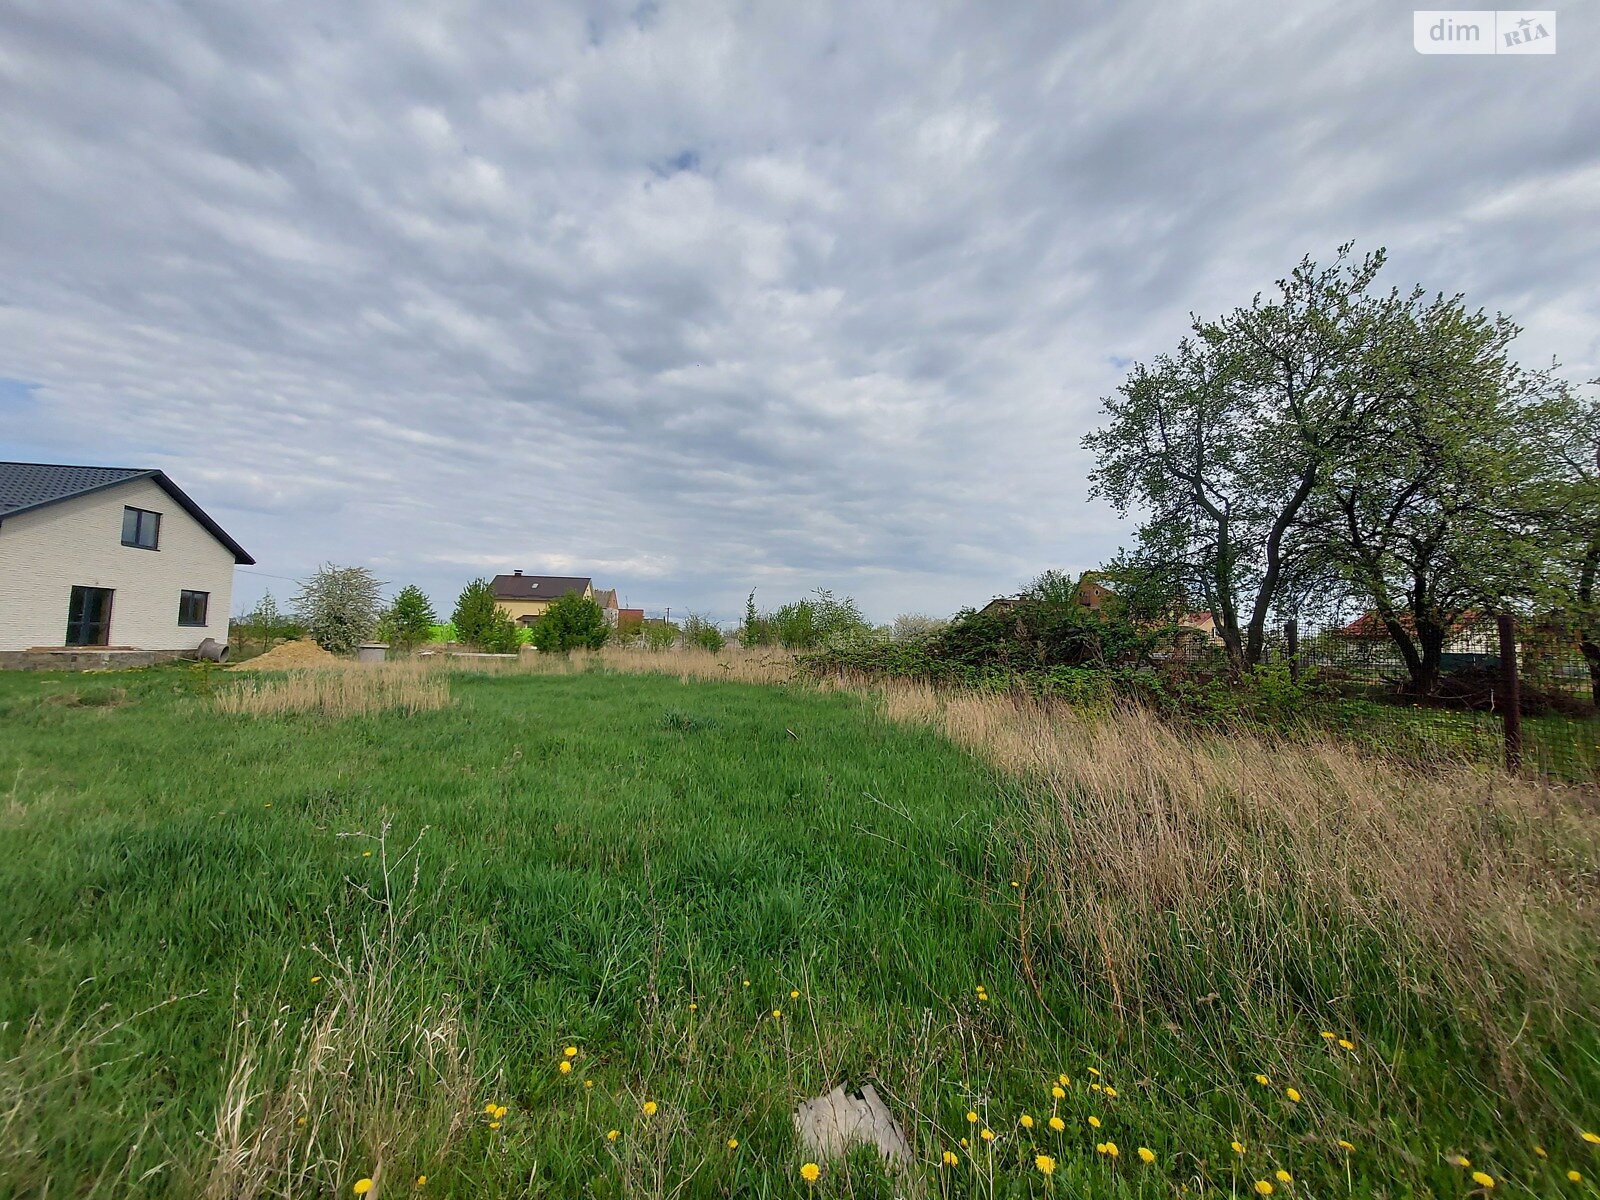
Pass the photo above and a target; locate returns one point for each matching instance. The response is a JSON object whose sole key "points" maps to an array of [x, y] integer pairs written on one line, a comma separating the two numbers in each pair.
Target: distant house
{"points": [[1091, 594], [1201, 626], [606, 598], [109, 557], [1473, 633], [524, 598]]}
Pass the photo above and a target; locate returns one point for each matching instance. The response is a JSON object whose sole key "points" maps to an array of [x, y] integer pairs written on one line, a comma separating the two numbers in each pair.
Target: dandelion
{"points": [[366, 854], [1095, 1073], [1292, 1094], [421, 1179], [1540, 1151], [649, 1108], [1063, 1080], [489, 1108], [316, 979], [979, 989], [494, 1124], [1460, 1160], [1094, 1087], [500, 1113], [1111, 1093], [972, 1117], [1483, 1179], [794, 994], [1146, 1155], [746, 983], [1263, 1188], [693, 1007], [951, 1158], [588, 1083], [987, 1135], [810, 1172], [613, 1134], [1059, 1093], [565, 1068], [1025, 1121], [777, 1014], [362, 1187], [1347, 1044], [570, 1052], [965, 1145], [1575, 1176], [1238, 1147], [1044, 1163], [1263, 1081], [1057, 1124], [1344, 1145], [733, 1143], [1592, 1138], [1327, 1035], [1110, 1150], [1094, 1122], [983, 997], [301, 1121], [1283, 1176]]}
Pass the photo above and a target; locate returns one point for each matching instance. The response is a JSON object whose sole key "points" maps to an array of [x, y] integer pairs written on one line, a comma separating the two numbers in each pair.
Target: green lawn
{"points": [[644, 870]]}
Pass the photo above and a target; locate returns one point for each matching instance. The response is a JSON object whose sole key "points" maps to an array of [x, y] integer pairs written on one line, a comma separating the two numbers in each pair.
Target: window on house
{"points": [[89, 616], [192, 607], [141, 528]]}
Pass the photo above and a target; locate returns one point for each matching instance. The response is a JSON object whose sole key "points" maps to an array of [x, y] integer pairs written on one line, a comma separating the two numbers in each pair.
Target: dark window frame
{"points": [[183, 602], [139, 522], [81, 593]]}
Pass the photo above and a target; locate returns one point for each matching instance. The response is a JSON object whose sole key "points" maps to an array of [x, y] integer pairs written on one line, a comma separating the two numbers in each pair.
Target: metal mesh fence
{"points": [[1371, 694]]}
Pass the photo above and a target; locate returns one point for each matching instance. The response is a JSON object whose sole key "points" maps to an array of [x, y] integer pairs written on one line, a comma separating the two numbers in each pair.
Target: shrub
{"points": [[698, 631], [339, 606], [409, 620], [661, 635], [573, 622], [481, 623]]}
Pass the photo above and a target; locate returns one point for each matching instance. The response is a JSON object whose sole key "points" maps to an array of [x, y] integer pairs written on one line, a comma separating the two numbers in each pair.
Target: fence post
{"points": [[1291, 638], [1511, 692]]}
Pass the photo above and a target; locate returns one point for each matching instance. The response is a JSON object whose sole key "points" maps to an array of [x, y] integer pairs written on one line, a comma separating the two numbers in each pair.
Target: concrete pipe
{"points": [[212, 650]]}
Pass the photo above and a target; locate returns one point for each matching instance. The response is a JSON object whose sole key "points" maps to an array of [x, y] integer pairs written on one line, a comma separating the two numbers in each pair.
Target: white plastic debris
{"points": [[829, 1125]]}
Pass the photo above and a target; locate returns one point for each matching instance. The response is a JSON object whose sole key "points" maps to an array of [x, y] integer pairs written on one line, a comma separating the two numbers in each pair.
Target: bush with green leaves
{"points": [[702, 632], [574, 622], [409, 620], [481, 623], [339, 606], [661, 635]]}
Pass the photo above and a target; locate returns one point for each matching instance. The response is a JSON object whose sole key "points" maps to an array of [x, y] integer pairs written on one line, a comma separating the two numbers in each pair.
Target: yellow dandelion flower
{"points": [[1591, 1138], [1344, 1145], [1063, 1080], [1099, 1147], [1327, 1035], [950, 1158], [494, 1124], [1146, 1154], [1263, 1188], [746, 983], [1094, 1087], [1263, 1081], [972, 1117], [316, 979], [649, 1108], [588, 1083], [1283, 1176], [565, 1068], [613, 1134], [366, 854], [1095, 1073], [964, 1144], [1045, 1164], [1057, 1124], [1111, 1149], [500, 1113], [1025, 1121], [1460, 1160], [570, 1052], [1238, 1147], [794, 994], [489, 1108], [983, 997], [810, 1172], [1292, 1094], [979, 989], [733, 1143], [301, 1121], [1483, 1179], [1094, 1122], [1111, 1092], [1347, 1044], [362, 1187], [1059, 1093], [1540, 1151], [987, 1135], [777, 1014], [421, 1179], [694, 1007], [1575, 1177]]}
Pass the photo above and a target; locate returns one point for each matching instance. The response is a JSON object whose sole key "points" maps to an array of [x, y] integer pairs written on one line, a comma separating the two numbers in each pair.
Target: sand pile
{"points": [[288, 655]]}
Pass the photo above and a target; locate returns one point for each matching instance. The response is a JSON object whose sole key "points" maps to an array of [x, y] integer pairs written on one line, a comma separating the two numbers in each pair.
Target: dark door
{"points": [[89, 616]]}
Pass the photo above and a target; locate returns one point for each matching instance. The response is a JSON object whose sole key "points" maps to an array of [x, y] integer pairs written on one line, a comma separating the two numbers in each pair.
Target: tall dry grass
{"points": [[346, 690], [1175, 870], [755, 665]]}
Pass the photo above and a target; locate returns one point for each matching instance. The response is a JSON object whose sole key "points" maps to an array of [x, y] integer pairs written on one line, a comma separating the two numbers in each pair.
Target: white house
{"points": [[113, 557]]}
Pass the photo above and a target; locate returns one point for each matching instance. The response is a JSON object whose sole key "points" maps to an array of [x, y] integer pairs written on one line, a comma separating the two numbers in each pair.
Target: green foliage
{"points": [[574, 622], [756, 630], [481, 623], [445, 632], [660, 635], [264, 624], [817, 620], [409, 621], [339, 606], [701, 632]]}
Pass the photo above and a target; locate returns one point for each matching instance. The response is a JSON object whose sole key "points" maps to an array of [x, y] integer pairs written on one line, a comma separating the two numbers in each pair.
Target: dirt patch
{"points": [[288, 656]]}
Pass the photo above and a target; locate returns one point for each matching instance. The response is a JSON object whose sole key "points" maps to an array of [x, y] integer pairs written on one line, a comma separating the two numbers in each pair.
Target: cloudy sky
{"points": [[698, 297]]}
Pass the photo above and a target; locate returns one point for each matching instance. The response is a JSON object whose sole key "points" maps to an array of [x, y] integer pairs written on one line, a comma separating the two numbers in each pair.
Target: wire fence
{"points": [[1532, 707]]}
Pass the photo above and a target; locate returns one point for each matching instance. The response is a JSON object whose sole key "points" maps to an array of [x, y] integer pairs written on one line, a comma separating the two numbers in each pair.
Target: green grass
{"points": [[603, 861]]}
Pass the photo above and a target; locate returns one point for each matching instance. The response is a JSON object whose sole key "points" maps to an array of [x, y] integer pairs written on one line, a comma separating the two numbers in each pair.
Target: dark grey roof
{"points": [[27, 486], [536, 587]]}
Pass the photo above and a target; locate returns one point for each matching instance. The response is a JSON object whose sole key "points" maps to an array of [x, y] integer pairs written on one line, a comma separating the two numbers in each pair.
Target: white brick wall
{"points": [[44, 553]]}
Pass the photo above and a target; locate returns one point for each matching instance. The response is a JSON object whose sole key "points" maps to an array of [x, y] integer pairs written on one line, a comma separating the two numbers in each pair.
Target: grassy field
{"points": [[276, 955]]}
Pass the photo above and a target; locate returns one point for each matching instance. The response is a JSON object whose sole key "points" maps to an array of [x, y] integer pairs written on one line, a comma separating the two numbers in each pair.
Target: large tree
{"points": [[339, 606], [1222, 443], [1566, 499]]}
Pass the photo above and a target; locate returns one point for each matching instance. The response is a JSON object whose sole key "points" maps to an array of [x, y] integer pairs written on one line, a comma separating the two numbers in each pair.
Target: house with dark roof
{"points": [[525, 597], [113, 557]]}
